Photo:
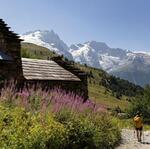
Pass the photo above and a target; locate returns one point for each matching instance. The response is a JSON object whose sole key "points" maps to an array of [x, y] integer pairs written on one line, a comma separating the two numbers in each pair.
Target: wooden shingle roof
{"points": [[34, 69]]}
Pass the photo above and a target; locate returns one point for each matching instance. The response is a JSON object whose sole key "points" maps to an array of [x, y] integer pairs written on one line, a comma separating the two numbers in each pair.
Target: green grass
{"points": [[146, 127], [98, 92], [29, 50], [123, 123], [100, 95], [127, 123]]}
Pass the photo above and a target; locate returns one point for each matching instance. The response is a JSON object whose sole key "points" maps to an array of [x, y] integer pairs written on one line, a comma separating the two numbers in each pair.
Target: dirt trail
{"points": [[129, 140]]}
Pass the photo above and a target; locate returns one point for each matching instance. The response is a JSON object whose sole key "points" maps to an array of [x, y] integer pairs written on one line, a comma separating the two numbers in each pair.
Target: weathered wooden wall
{"points": [[7, 69], [10, 44], [69, 86]]}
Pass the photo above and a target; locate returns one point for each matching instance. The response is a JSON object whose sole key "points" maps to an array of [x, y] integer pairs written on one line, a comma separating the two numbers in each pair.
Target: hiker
{"points": [[138, 125]]}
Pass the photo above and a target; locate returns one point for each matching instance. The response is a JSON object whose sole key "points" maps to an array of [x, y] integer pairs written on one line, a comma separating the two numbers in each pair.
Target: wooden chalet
{"points": [[48, 73]]}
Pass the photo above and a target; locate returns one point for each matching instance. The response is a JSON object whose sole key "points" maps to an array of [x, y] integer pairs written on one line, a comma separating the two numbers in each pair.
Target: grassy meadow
{"points": [[104, 97]]}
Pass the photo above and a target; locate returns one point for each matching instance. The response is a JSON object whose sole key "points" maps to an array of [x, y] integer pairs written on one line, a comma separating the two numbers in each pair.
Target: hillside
{"points": [[103, 88], [48, 39], [109, 90], [30, 50]]}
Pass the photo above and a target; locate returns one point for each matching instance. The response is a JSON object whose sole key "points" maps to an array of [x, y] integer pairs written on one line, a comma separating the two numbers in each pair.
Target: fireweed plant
{"points": [[36, 118]]}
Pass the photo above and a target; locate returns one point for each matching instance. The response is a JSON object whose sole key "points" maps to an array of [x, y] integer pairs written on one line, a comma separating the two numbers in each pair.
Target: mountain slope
{"points": [[137, 71], [29, 50], [128, 65], [103, 88], [47, 39]]}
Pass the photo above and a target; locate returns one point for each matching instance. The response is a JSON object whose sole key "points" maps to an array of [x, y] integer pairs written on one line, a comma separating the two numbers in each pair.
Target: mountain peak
{"points": [[41, 33], [48, 39]]}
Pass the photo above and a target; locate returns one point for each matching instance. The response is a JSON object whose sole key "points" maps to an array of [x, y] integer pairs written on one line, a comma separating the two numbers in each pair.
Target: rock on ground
{"points": [[129, 140]]}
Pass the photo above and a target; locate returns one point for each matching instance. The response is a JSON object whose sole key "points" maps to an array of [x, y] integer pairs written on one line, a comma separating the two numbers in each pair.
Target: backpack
{"points": [[138, 121]]}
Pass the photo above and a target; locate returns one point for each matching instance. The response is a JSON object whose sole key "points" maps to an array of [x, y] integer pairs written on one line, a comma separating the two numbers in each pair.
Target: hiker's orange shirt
{"points": [[138, 122]]}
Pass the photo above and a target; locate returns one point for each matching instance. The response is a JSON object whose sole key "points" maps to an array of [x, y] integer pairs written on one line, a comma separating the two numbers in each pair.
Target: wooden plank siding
{"points": [[34, 69]]}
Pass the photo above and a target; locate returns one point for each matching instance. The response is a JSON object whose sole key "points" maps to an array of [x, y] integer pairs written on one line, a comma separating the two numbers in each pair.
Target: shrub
{"points": [[80, 129], [21, 129], [141, 104], [107, 135], [89, 130], [53, 119]]}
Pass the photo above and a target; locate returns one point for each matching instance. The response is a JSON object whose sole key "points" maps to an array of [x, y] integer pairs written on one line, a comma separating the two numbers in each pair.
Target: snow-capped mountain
{"points": [[132, 66], [48, 39], [137, 70], [99, 55]]}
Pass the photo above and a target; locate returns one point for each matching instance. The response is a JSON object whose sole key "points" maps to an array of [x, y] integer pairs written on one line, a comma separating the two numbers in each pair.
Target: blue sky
{"points": [[119, 23]]}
